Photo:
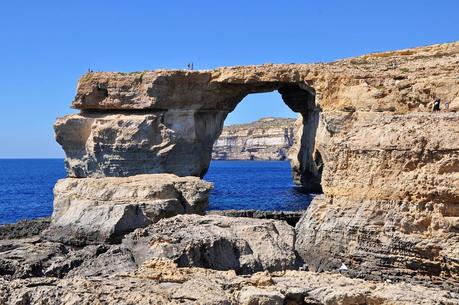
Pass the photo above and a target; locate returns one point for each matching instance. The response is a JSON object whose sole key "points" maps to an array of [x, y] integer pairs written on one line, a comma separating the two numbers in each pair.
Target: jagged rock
{"points": [[183, 111], [265, 139], [217, 242], [252, 295], [387, 166], [291, 217], [161, 282], [105, 209], [24, 228], [33, 257]]}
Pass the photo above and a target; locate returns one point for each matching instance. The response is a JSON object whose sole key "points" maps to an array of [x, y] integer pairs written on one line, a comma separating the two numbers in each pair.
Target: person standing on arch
{"points": [[436, 105], [446, 106]]}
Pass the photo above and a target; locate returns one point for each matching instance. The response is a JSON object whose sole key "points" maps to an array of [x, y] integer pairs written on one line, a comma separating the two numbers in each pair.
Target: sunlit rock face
{"points": [[265, 139], [366, 138], [391, 184], [97, 210], [126, 144]]}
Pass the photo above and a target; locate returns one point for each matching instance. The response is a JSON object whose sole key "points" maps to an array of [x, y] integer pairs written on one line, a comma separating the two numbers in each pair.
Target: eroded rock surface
{"points": [[127, 144], [160, 281], [217, 242], [392, 194], [104, 209], [265, 139]]}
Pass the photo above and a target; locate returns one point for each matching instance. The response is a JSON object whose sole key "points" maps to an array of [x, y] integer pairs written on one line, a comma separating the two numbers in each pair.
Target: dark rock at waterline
{"points": [[24, 228], [291, 217]]}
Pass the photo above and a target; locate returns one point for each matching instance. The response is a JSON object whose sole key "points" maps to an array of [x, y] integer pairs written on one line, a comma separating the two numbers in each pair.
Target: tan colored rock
{"points": [[387, 165], [401, 81], [265, 139], [257, 296], [391, 184], [104, 209]]}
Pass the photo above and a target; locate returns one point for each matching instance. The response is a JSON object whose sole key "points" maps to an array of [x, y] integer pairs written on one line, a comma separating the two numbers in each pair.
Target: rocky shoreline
{"points": [[129, 223], [34, 269]]}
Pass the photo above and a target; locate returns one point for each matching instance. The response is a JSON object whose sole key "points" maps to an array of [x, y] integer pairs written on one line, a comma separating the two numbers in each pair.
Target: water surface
{"points": [[26, 187]]}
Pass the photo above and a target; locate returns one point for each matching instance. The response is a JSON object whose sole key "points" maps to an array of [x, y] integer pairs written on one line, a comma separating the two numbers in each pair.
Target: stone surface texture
{"points": [[88, 210], [160, 281], [391, 184], [265, 139], [217, 242]]}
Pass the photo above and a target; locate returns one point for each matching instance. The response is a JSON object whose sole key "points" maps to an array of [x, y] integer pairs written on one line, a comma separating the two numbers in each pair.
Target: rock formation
{"points": [[388, 169], [104, 209], [35, 271], [265, 139], [244, 245]]}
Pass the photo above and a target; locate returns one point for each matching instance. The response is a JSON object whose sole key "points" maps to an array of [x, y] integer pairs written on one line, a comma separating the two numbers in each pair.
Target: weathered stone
{"points": [[265, 139], [291, 217], [258, 296], [387, 166], [24, 228], [120, 145], [162, 282], [402, 81], [104, 209], [392, 191], [33, 257], [217, 242]]}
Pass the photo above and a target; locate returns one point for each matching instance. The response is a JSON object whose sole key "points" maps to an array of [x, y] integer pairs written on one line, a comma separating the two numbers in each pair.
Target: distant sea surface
{"points": [[26, 187]]}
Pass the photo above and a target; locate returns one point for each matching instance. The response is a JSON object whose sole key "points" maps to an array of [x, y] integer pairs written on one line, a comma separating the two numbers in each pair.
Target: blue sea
{"points": [[26, 187]]}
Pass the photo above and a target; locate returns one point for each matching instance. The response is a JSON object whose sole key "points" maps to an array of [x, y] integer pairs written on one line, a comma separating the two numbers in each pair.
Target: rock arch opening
{"points": [[305, 161]]}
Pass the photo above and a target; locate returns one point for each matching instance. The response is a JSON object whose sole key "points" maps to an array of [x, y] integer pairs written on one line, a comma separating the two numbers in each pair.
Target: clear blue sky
{"points": [[47, 45]]}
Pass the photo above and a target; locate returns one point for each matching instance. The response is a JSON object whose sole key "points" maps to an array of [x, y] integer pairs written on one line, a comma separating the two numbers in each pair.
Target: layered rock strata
{"points": [[162, 282], [104, 209], [392, 194], [265, 139]]}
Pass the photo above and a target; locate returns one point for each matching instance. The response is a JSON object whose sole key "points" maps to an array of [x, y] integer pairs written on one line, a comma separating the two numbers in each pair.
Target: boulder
{"points": [[223, 243], [105, 209]]}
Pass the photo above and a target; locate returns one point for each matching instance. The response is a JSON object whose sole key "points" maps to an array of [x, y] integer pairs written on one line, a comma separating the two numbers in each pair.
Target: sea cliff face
{"points": [[265, 139]]}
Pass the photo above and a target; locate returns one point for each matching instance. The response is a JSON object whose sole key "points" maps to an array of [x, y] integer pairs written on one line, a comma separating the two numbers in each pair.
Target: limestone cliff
{"points": [[265, 139]]}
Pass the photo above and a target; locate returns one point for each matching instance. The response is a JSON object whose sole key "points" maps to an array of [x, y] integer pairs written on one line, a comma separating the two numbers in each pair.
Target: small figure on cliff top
{"points": [[446, 106], [190, 66], [436, 105]]}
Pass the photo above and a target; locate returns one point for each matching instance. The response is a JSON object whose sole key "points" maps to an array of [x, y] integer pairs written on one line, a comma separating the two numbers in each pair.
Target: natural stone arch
{"points": [[306, 161], [170, 125]]}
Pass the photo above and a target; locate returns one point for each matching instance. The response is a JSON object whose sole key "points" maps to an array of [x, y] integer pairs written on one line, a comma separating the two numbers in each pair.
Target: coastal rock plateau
{"points": [[161, 282], [265, 139], [35, 271]]}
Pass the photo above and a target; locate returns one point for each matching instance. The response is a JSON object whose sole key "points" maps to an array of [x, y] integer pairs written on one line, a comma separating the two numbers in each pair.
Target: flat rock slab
{"points": [[92, 210], [223, 243]]}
